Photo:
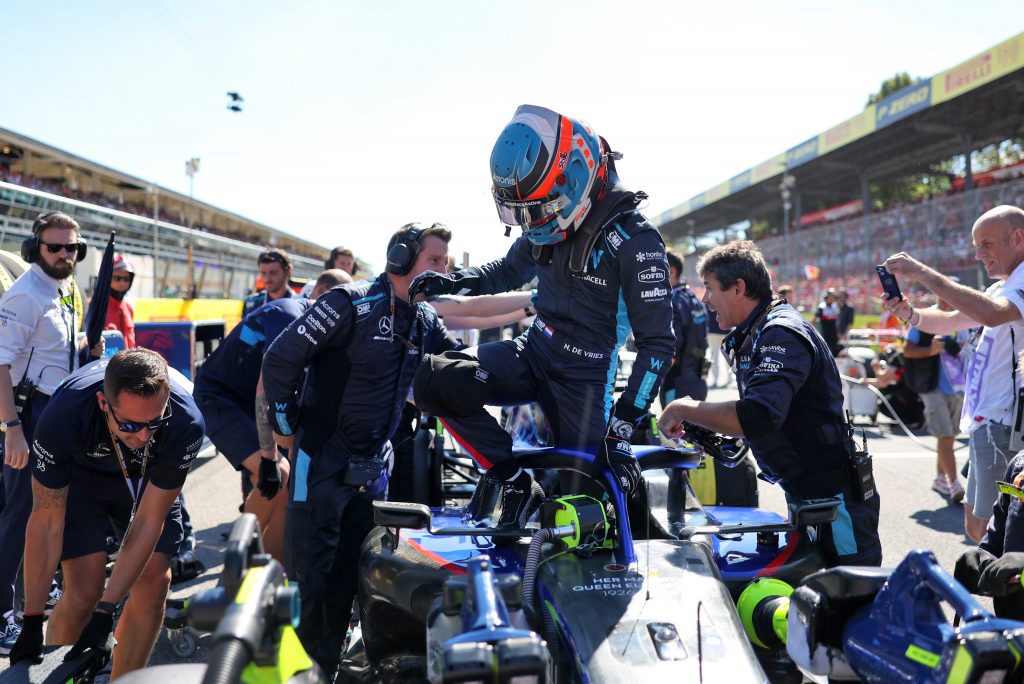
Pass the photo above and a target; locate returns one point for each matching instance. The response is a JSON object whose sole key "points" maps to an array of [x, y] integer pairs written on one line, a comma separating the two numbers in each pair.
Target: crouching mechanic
{"points": [[600, 267], [114, 444], [362, 343], [791, 401], [995, 566], [226, 393]]}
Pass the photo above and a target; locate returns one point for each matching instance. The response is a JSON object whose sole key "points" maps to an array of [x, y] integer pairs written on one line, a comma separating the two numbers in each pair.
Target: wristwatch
{"points": [[8, 424]]}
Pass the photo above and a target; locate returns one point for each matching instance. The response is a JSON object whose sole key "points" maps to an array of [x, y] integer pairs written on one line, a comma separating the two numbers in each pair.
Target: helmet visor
{"points": [[528, 213]]}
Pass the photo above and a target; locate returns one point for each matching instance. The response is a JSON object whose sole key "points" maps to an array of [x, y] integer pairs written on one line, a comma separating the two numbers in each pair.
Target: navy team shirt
{"points": [[72, 433]]}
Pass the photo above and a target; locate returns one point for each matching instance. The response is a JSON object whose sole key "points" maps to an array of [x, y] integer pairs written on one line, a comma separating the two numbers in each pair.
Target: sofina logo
{"points": [[653, 274]]}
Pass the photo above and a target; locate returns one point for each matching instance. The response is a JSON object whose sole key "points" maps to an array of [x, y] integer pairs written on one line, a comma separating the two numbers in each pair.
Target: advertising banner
{"points": [[903, 103], [977, 71]]}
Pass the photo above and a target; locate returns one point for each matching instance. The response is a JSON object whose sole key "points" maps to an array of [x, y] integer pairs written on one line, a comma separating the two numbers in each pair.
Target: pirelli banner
{"points": [[994, 63]]}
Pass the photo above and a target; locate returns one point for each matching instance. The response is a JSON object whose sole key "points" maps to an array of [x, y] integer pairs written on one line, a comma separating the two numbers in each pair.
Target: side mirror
{"points": [[813, 511], [401, 515]]}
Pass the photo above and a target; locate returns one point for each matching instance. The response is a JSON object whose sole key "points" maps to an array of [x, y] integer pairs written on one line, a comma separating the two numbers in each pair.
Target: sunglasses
{"points": [[130, 426], [55, 247], [120, 278]]}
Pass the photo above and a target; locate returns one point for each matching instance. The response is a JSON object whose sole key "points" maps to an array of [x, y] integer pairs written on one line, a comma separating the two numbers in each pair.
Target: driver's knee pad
{"points": [[451, 385]]}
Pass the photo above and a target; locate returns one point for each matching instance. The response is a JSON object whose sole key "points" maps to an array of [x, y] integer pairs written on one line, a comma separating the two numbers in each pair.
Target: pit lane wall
{"points": [[986, 67]]}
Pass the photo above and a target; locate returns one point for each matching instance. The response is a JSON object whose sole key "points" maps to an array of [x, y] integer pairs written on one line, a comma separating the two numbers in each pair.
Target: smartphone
{"points": [[889, 284]]}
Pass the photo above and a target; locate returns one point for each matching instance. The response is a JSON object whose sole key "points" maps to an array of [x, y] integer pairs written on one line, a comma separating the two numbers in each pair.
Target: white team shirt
{"points": [[989, 385], [38, 314]]}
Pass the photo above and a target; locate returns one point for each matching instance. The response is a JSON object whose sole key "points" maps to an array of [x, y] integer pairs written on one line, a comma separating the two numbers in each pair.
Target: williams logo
{"points": [[653, 274]]}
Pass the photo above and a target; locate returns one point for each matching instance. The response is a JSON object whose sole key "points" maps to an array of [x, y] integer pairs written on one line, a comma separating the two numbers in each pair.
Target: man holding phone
{"points": [[992, 378]]}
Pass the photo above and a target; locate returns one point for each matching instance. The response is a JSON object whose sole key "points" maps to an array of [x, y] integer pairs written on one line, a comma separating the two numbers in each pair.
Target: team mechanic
{"points": [[226, 391], [362, 343], [114, 443], [690, 322], [994, 567], [791, 401], [601, 268]]}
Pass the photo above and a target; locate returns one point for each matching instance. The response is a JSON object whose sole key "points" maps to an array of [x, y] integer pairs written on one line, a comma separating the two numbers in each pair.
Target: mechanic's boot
{"points": [[519, 497]]}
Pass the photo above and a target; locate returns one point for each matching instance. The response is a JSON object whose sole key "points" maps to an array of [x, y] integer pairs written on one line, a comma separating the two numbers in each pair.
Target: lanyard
{"points": [[124, 471]]}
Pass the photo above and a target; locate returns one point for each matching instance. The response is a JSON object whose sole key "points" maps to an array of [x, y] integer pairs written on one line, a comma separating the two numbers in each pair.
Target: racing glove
{"points": [[969, 567], [432, 284], [269, 481], [1002, 576], [94, 636], [615, 452], [29, 645]]}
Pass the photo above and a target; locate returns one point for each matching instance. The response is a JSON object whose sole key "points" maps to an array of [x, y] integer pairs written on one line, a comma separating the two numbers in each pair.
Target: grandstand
{"points": [[177, 242], [977, 103]]}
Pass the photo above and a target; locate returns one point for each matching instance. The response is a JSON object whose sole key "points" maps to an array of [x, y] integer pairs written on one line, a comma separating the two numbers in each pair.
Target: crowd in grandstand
{"points": [[64, 189], [846, 252]]}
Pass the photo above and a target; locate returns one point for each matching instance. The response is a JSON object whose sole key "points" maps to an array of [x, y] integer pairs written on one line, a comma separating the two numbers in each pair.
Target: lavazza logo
{"points": [[651, 275], [653, 293]]}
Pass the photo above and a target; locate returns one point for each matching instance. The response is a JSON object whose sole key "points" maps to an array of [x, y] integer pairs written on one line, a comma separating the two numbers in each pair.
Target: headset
{"points": [[30, 245], [402, 254]]}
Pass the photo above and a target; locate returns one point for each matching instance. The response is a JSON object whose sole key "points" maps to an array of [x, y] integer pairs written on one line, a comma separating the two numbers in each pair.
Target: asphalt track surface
{"points": [[912, 515]]}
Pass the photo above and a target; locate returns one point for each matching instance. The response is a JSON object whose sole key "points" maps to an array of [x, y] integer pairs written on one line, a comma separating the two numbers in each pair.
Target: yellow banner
{"points": [[845, 133], [166, 310], [767, 169], [977, 71]]}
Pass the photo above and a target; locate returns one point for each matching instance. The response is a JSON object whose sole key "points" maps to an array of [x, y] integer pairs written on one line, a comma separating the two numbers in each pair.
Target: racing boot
{"points": [[519, 497]]}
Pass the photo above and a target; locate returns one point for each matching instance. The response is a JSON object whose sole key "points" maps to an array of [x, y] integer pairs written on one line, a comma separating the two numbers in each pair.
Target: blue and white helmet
{"points": [[546, 171]]}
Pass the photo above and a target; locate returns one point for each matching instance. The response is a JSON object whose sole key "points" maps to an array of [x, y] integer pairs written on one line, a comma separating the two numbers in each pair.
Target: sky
{"points": [[360, 117]]}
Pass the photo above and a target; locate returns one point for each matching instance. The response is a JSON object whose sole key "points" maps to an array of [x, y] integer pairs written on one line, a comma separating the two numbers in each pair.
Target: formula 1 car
{"points": [[853, 623], [608, 589]]}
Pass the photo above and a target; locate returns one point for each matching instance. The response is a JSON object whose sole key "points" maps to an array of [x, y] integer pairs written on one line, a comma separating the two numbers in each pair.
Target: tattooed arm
{"points": [[44, 537], [267, 436]]}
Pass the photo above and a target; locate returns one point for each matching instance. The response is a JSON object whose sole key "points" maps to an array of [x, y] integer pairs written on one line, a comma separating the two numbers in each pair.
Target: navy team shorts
{"points": [[231, 428], [97, 500]]}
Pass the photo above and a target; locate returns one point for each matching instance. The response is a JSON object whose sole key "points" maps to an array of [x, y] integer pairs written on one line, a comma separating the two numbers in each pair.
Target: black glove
{"points": [[1002, 576], [431, 284], [615, 452], [952, 347], [969, 567], [29, 645], [94, 636], [269, 482]]}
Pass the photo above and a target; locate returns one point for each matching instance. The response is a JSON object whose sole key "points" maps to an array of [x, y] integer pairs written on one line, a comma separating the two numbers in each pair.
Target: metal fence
{"points": [[220, 267]]}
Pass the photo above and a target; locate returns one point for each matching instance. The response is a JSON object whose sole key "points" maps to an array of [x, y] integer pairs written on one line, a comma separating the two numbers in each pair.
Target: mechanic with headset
{"points": [[362, 343], [226, 392], [790, 408], [113, 446], [601, 269], [37, 350]]}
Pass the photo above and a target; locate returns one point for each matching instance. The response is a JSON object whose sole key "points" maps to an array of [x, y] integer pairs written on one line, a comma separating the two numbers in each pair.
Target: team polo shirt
{"points": [[37, 322], [72, 433]]}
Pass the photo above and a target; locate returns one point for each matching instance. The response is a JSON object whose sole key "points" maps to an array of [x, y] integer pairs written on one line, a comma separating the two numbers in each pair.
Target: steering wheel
{"points": [[729, 450]]}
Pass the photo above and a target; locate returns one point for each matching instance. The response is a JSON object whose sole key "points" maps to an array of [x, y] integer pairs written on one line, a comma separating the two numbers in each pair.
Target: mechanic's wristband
{"points": [[108, 607]]}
